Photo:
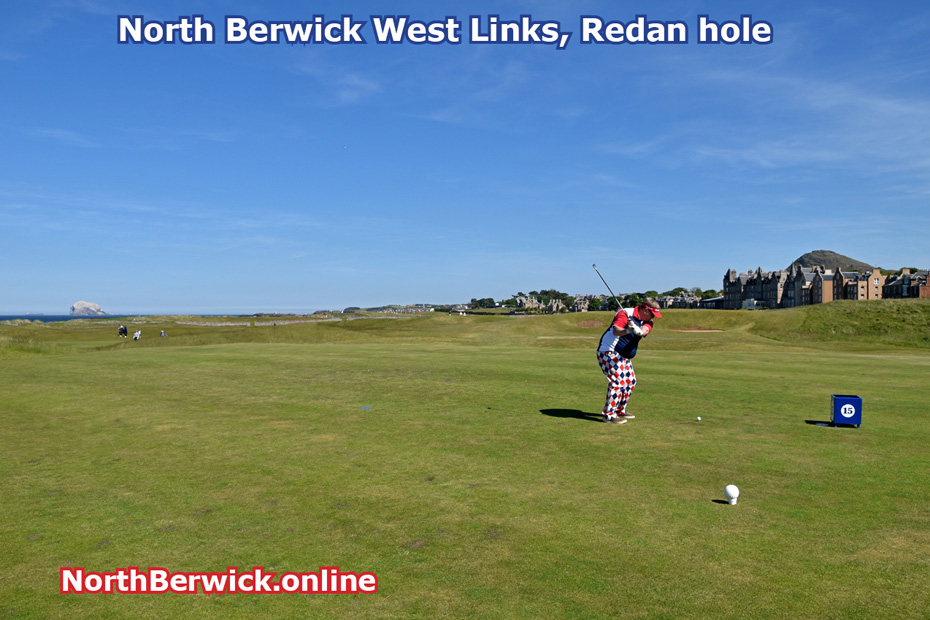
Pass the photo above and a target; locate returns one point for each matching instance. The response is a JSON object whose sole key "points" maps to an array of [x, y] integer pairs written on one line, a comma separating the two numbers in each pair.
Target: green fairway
{"points": [[462, 461]]}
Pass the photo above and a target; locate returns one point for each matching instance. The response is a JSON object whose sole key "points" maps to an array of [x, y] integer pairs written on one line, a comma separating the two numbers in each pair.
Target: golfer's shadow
{"points": [[572, 413]]}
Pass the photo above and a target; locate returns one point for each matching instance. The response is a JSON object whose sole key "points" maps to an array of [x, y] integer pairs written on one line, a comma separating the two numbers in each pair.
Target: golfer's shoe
{"points": [[627, 416], [613, 420]]}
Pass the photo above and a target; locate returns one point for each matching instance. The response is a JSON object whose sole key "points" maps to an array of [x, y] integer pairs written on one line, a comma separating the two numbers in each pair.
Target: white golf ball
{"points": [[732, 492], [699, 418]]}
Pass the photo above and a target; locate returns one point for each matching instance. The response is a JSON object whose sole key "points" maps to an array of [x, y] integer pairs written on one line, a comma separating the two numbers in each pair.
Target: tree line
{"points": [[595, 303]]}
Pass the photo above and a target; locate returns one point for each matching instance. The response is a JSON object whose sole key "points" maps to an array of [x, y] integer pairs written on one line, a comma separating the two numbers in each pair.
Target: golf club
{"points": [[619, 305]]}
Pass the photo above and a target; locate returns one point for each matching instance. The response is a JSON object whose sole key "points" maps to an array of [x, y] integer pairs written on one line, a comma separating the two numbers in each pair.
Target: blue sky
{"points": [[261, 178]]}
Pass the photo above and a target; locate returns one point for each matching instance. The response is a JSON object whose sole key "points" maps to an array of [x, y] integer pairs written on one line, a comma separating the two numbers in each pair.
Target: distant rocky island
{"points": [[85, 308]]}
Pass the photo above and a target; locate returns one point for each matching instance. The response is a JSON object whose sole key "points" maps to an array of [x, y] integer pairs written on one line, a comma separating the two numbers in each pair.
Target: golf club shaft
{"points": [[619, 305]]}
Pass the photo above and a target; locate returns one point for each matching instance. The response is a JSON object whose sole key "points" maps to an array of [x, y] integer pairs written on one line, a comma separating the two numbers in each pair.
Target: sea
{"points": [[55, 318], [51, 318]]}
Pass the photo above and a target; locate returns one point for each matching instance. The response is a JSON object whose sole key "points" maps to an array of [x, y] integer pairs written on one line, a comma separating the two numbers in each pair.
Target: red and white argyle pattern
{"points": [[619, 372]]}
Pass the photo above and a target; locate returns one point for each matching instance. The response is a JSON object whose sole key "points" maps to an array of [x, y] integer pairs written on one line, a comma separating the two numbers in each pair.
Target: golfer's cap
{"points": [[653, 305]]}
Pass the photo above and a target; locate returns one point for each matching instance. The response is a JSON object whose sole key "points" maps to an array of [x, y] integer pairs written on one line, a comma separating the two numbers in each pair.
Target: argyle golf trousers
{"points": [[619, 372]]}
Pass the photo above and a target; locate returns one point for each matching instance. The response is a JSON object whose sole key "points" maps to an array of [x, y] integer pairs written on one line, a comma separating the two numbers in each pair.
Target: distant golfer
{"points": [[615, 354]]}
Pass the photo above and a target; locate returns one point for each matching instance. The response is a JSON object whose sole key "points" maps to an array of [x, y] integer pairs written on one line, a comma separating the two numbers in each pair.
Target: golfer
{"points": [[615, 354]]}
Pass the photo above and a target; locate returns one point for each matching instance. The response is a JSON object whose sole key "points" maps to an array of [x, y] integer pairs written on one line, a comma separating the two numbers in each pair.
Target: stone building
{"points": [[580, 304], [801, 286], [681, 300], [773, 288], [822, 289], [907, 285], [733, 286], [767, 288], [528, 302], [797, 286], [856, 285]]}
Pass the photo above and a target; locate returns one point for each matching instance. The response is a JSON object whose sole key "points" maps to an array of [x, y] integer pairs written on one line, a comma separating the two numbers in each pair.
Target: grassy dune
{"points": [[479, 482]]}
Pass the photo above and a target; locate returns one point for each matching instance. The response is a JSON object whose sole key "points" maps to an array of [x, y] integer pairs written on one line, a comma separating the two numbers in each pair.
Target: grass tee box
{"points": [[475, 486], [846, 409]]}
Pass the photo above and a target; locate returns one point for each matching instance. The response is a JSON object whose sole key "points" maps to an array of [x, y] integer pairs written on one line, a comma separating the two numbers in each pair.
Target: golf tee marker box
{"points": [[846, 409]]}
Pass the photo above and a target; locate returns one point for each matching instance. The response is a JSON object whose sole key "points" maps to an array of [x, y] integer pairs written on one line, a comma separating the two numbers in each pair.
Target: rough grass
{"points": [[854, 326], [479, 484]]}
